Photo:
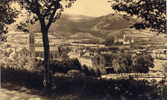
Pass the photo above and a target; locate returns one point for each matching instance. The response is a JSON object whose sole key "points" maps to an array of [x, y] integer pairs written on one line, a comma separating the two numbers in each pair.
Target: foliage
{"points": [[165, 67], [153, 12], [65, 65], [63, 52], [7, 15], [109, 41], [44, 11], [142, 63], [122, 63], [17, 58], [86, 88], [70, 65], [126, 63]]}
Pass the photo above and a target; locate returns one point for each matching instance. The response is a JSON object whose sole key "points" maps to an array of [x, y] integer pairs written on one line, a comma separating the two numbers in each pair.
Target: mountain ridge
{"points": [[97, 26]]}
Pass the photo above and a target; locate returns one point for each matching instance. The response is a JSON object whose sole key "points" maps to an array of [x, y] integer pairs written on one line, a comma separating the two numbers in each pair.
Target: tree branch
{"points": [[48, 10], [56, 5], [38, 13], [51, 18]]}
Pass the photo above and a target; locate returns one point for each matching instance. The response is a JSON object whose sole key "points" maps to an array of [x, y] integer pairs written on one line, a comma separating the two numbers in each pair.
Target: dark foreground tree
{"points": [[7, 15], [153, 12], [46, 12]]}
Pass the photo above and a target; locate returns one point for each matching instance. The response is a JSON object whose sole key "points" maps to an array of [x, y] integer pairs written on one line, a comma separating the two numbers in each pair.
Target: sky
{"points": [[93, 8]]}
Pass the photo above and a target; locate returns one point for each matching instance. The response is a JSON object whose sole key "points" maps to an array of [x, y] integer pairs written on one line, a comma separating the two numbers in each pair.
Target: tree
{"points": [[46, 12], [142, 63], [7, 15], [122, 63], [153, 12], [109, 41], [165, 67], [129, 63]]}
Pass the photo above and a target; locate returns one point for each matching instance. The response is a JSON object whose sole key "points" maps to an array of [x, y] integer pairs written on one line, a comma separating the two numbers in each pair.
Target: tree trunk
{"points": [[47, 82], [32, 47]]}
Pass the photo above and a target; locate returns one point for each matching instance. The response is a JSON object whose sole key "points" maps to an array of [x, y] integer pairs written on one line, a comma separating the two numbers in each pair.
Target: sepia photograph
{"points": [[83, 50]]}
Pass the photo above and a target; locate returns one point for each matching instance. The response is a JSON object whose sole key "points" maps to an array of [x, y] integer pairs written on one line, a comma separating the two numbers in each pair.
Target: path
{"points": [[6, 94]]}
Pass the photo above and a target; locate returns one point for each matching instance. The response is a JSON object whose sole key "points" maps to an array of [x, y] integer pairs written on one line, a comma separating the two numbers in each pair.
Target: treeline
{"points": [[125, 63], [103, 63]]}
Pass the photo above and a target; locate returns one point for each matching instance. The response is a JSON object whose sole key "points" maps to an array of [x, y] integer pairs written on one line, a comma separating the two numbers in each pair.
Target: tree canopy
{"points": [[44, 11], [7, 15], [153, 12]]}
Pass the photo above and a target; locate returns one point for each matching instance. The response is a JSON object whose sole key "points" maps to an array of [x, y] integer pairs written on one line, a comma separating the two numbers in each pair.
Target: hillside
{"points": [[101, 28], [97, 26]]}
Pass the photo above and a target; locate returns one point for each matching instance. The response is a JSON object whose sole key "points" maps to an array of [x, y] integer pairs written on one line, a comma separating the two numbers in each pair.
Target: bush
{"points": [[165, 67], [122, 63], [109, 41], [17, 58], [73, 65], [65, 65], [142, 63]]}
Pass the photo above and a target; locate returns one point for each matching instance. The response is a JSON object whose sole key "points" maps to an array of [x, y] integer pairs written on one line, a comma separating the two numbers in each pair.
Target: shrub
{"points": [[122, 63], [65, 65], [142, 63], [13, 57], [73, 65], [109, 41], [165, 67]]}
